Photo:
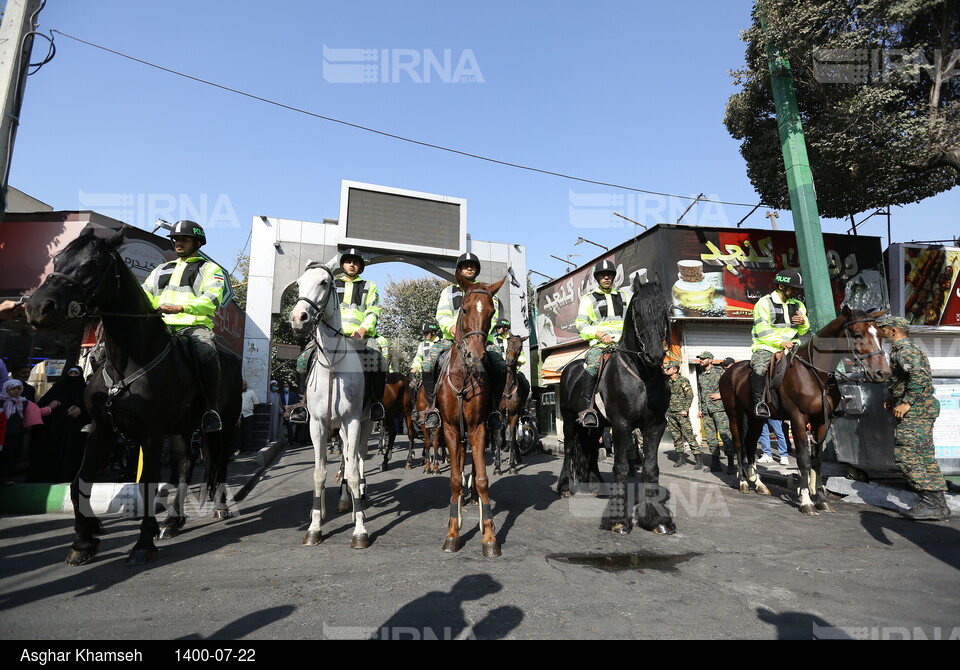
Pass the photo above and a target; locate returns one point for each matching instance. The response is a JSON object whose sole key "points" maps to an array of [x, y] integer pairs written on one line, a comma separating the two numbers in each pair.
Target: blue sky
{"points": [[631, 93]]}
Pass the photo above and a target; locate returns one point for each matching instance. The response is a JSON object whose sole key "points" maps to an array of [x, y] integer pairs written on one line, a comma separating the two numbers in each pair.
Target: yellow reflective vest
{"points": [[601, 313], [771, 322], [195, 283], [448, 308], [359, 304]]}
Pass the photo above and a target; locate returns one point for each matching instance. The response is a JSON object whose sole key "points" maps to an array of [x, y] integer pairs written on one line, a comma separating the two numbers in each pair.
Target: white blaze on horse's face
{"points": [[314, 285]]}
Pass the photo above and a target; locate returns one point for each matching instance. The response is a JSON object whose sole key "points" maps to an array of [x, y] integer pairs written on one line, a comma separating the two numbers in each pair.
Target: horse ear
{"points": [[876, 314], [494, 288], [524, 338], [846, 311], [462, 282], [635, 284], [117, 238]]}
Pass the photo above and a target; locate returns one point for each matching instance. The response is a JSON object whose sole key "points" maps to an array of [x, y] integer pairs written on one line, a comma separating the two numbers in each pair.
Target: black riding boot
{"points": [[432, 418], [210, 372], [588, 417], [757, 387], [378, 381], [715, 465], [681, 459], [498, 382]]}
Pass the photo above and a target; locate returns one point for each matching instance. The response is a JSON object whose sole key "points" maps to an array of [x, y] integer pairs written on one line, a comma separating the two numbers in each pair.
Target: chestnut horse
{"points": [[396, 403], [463, 398], [432, 439], [515, 394], [808, 394]]}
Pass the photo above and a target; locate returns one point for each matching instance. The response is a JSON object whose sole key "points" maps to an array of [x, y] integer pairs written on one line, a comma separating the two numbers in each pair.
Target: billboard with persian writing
{"points": [[714, 273]]}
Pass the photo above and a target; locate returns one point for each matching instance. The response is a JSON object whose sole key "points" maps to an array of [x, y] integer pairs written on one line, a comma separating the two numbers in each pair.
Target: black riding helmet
{"points": [[503, 323], [791, 278], [429, 328], [604, 266], [468, 258], [188, 228], [353, 253]]}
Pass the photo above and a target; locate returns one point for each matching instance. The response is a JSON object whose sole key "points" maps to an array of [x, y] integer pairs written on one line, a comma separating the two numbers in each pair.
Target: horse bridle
{"points": [[857, 356], [78, 308], [321, 308]]}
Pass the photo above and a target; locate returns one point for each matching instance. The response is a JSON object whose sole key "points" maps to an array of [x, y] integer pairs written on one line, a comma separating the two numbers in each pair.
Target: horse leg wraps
{"points": [[485, 513]]}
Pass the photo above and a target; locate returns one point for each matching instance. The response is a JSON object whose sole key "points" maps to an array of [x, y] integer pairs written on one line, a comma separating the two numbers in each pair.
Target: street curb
{"points": [[35, 498]]}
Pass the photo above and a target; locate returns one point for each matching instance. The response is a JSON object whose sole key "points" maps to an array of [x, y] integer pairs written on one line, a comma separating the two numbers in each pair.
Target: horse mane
{"points": [[648, 309]]}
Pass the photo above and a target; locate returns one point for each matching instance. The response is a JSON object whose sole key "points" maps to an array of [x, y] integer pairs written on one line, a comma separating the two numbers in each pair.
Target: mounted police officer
{"points": [[187, 292], [914, 406], [359, 313], [448, 307], [779, 319], [430, 333], [599, 322], [501, 338]]}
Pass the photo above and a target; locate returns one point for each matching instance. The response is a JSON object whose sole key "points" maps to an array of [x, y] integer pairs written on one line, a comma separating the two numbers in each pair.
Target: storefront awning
{"points": [[555, 361]]}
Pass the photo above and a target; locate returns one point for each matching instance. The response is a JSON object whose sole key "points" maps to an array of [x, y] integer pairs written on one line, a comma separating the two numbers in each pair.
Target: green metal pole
{"points": [[803, 197]]}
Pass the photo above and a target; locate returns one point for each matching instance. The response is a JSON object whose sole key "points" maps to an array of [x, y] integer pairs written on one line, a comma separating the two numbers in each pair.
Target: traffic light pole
{"points": [[803, 198]]}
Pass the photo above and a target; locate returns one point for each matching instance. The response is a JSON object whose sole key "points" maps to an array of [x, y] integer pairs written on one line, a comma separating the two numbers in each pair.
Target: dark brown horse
{"points": [[808, 395], [463, 398], [515, 394], [433, 447], [396, 404]]}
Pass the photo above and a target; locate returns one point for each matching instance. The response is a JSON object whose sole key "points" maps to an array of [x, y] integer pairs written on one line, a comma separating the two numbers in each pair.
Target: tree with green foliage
{"points": [[878, 87], [407, 304]]}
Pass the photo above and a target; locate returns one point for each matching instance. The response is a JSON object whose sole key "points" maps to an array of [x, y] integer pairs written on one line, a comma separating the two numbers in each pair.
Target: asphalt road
{"points": [[740, 566]]}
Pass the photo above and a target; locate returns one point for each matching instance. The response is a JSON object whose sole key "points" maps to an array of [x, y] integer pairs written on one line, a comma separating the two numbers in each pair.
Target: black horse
{"points": [[633, 394], [146, 388]]}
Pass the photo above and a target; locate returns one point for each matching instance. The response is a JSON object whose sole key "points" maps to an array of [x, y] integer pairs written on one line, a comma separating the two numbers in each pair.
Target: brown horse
{"points": [[432, 440], [515, 394], [463, 398], [396, 403], [808, 394]]}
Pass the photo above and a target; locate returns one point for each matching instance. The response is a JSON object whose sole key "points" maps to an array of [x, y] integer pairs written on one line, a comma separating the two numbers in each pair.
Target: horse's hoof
{"points": [[451, 545], [221, 514], [744, 487], [566, 494], [168, 532], [360, 541], [407, 466], [809, 510], [762, 490], [825, 506], [497, 472], [140, 557], [343, 506], [80, 557], [512, 471], [620, 529], [312, 538], [473, 501], [491, 549], [385, 466], [664, 529]]}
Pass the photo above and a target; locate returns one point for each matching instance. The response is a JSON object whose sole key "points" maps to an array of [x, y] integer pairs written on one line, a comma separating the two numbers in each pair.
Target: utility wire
{"points": [[392, 135]]}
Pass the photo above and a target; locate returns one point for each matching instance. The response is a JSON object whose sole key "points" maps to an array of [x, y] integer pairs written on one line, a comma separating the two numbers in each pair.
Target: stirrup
{"points": [[432, 419], [494, 420], [210, 423], [761, 411], [299, 414], [588, 418], [376, 411]]}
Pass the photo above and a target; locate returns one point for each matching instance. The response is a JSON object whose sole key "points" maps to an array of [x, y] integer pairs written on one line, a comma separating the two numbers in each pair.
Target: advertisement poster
{"points": [[931, 285], [715, 273]]}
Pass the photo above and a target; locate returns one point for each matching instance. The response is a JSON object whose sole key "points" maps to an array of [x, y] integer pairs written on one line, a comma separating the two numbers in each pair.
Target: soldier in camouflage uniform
{"points": [[678, 415], [915, 408], [713, 414]]}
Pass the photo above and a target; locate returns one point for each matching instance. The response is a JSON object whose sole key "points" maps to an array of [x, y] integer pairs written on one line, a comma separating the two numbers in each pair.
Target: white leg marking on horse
{"points": [[805, 497]]}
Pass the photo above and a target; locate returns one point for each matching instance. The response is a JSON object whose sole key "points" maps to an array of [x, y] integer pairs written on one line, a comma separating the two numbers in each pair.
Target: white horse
{"points": [[334, 395]]}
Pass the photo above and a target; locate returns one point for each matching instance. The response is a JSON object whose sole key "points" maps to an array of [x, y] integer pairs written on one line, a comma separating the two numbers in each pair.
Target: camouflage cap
{"points": [[671, 364], [894, 321], [706, 354]]}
